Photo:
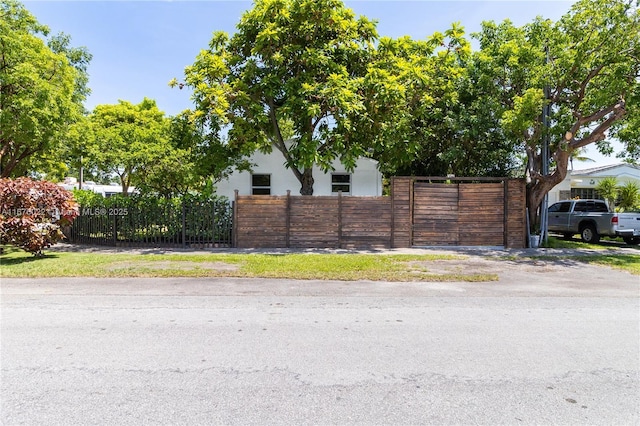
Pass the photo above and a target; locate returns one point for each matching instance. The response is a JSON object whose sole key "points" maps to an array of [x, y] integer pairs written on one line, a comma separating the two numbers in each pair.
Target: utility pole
{"points": [[546, 113]]}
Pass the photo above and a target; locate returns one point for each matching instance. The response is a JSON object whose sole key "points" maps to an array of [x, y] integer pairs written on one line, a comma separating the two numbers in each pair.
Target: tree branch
{"points": [[278, 140], [615, 112]]}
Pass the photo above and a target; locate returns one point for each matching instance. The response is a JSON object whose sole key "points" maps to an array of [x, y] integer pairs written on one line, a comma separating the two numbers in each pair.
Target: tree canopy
{"points": [[124, 139], [315, 82], [43, 83], [289, 78], [584, 69], [437, 115]]}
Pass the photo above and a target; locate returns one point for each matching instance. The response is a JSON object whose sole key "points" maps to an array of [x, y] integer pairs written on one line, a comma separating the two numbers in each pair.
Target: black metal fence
{"points": [[155, 223]]}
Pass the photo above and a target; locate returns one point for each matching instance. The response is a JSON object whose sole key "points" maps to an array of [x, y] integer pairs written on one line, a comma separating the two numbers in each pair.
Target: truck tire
{"points": [[632, 240], [589, 234]]}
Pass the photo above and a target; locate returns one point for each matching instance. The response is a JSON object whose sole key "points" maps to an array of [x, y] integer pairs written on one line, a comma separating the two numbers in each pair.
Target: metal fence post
{"points": [[115, 229], [184, 224]]}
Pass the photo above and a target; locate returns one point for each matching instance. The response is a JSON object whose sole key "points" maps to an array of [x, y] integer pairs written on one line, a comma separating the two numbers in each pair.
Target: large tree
{"points": [[289, 78], [43, 83], [193, 159], [435, 110], [123, 139], [584, 69]]}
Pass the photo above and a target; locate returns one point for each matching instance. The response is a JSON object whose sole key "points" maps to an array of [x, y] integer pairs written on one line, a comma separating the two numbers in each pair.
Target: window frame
{"points": [[260, 189], [342, 184]]}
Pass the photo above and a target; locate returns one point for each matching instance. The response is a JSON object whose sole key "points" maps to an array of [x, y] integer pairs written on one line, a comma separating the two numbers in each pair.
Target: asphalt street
{"points": [[237, 351]]}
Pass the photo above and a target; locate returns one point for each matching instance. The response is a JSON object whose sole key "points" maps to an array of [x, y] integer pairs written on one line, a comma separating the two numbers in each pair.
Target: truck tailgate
{"points": [[629, 224]]}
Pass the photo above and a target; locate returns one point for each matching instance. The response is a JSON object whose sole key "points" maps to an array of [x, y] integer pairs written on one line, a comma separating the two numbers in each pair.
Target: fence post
{"points": [[234, 219], [339, 219], [184, 225], [505, 213], [288, 219], [411, 200], [115, 228], [393, 213], [214, 231]]}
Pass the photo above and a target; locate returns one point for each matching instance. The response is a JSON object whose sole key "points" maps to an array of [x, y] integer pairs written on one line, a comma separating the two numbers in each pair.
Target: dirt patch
{"points": [[478, 265]]}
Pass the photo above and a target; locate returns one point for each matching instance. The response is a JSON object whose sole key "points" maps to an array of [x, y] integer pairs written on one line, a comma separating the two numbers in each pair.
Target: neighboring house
{"points": [[582, 183], [269, 176], [71, 183]]}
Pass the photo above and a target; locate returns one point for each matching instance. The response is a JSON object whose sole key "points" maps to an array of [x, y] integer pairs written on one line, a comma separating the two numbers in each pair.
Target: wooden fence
{"points": [[420, 212], [312, 222]]}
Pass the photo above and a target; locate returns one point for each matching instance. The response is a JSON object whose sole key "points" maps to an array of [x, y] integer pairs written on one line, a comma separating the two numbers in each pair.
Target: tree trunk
{"points": [[124, 181], [541, 186], [307, 182]]}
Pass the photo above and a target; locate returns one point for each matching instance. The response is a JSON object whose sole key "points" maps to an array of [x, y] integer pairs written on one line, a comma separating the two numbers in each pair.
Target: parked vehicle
{"points": [[592, 219]]}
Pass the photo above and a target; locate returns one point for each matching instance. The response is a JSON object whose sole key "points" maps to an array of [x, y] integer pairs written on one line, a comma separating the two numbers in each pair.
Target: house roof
{"points": [[599, 170]]}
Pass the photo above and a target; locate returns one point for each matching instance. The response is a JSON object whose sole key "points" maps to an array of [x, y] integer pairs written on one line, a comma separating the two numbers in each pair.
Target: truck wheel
{"points": [[632, 240], [589, 234]]}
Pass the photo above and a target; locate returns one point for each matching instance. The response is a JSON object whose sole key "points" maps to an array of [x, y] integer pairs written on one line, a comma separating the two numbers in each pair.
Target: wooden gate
{"points": [[458, 212]]}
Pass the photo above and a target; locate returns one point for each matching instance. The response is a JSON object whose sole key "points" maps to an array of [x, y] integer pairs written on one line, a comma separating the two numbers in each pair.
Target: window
{"points": [[561, 207], [261, 184], [341, 183], [565, 195], [584, 193], [597, 207], [590, 206]]}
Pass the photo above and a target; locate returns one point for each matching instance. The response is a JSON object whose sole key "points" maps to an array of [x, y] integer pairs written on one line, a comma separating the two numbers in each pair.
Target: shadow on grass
{"points": [[9, 261], [574, 242]]}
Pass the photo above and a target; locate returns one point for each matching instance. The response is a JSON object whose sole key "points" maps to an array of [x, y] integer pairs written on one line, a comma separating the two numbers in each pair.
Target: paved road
{"points": [[233, 351]]}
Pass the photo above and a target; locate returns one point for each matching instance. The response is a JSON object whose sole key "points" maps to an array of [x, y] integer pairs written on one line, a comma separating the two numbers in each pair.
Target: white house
{"points": [[71, 183], [269, 176], [582, 183]]}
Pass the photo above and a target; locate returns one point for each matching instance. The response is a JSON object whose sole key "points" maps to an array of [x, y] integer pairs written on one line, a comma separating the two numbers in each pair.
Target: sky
{"points": [[139, 46]]}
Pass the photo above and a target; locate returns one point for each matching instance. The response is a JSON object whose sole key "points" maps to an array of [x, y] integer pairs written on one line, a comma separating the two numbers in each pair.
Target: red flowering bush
{"points": [[32, 212]]}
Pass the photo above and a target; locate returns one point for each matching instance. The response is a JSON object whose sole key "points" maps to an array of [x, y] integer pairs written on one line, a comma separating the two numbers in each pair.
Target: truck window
{"points": [[598, 207], [561, 207], [580, 207]]}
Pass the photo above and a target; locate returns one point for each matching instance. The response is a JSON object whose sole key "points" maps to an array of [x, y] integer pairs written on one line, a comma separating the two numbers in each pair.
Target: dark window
{"points": [[590, 206], [585, 193], [341, 183], [580, 207], [560, 207], [261, 184], [598, 207]]}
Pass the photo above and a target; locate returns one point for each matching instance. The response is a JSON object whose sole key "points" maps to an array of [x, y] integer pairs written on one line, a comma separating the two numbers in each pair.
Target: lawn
{"points": [[604, 253], [625, 262], [346, 267]]}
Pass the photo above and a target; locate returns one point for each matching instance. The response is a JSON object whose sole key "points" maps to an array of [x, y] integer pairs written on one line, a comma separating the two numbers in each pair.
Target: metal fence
{"points": [[160, 223]]}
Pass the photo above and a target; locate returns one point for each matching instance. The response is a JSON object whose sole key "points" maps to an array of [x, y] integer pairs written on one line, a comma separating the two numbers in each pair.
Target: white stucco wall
{"points": [[366, 180]]}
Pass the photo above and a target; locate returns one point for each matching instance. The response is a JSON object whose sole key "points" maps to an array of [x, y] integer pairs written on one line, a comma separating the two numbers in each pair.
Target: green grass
{"points": [[625, 262], [605, 244], [629, 262], [347, 267]]}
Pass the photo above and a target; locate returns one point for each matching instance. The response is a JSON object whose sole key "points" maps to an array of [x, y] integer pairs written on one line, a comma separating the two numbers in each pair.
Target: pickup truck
{"points": [[592, 219]]}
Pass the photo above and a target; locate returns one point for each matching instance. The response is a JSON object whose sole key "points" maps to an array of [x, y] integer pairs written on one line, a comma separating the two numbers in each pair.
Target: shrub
{"points": [[629, 196], [608, 189], [85, 197], [32, 212]]}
